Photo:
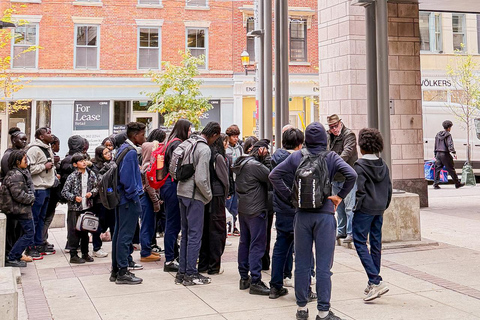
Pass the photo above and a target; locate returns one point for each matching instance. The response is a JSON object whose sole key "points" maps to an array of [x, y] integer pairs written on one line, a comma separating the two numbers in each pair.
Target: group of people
{"points": [[201, 176]]}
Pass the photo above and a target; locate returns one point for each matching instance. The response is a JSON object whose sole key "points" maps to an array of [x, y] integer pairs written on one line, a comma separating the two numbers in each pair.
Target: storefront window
{"points": [[23, 120], [435, 95], [44, 114], [121, 112], [141, 105]]}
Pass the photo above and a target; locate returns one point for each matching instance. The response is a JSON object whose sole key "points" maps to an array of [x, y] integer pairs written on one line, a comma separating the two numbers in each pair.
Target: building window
{"points": [[44, 114], [435, 95], [458, 28], [87, 47], [298, 40], [24, 37], [22, 119], [196, 3], [431, 31], [251, 40], [150, 2], [148, 48], [197, 43]]}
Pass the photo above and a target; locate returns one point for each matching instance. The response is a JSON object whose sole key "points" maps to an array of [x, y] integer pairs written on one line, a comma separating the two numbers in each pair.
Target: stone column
{"points": [[3, 234]]}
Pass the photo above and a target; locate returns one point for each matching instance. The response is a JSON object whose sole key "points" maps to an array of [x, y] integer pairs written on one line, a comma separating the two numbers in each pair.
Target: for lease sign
{"points": [[91, 115]]}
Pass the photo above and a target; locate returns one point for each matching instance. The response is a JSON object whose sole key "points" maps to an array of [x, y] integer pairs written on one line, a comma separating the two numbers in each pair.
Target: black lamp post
{"points": [[4, 25]]}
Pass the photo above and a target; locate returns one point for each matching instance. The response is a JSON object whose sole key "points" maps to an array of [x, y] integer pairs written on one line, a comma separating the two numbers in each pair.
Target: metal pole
{"points": [[372, 99], [259, 76], [278, 83], [267, 90], [284, 61], [383, 79]]}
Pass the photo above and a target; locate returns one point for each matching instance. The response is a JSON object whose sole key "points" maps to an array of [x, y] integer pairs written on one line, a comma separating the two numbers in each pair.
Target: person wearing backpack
{"points": [[168, 192], [314, 222], [41, 162], [374, 193], [17, 197], [193, 192], [128, 211], [234, 151], [252, 188]]}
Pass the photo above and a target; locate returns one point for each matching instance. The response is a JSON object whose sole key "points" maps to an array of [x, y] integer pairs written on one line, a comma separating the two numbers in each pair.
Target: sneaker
{"points": [[45, 250], [330, 316], [150, 258], [288, 282], [100, 254], [171, 266], [277, 293], [302, 314], [245, 283], [155, 253], [312, 296], [436, 186], [348, 239], [32, 252], [15, 263], [134, 266], [236, 232], [113, 276], [76, 260], [376, 290], [341, 236], [367, 289], [87, 258], [459, 185], [259, 288], [195, 279], [128, 278], [228, 243], [157, 249], [26, 258], [179, 278]]}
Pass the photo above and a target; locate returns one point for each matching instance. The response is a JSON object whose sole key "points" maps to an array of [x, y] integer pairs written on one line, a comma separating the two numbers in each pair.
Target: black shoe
{"points": [[32, 252], [45, 250], [277, 293], [436, 186], [15, 263], [87, 258], [179, 278], [113, 276], [312, 296], [245, 283], [128, 278], [170, 266], [341, 236], [195, 279], [330, 316], [459, 185], [76, 260], [134, 266], [302, 314], [259, 288]]}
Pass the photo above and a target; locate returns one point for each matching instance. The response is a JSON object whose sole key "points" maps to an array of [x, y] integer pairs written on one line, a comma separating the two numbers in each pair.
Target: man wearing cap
{"points": [[443, 151], [343, 141]]}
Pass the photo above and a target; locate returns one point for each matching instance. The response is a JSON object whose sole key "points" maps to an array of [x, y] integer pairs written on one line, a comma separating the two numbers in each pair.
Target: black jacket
{"points": [[374, 187], [251, 184], [444, 143], [21, 193], [75, 144], [280, 206], [345, 145]]}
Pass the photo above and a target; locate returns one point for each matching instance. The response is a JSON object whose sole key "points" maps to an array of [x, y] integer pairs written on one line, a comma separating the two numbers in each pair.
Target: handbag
{"points": [[87, 222]]}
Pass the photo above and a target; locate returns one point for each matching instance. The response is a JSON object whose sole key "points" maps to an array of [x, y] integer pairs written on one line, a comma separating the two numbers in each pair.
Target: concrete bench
{"points": [[8, 293]]}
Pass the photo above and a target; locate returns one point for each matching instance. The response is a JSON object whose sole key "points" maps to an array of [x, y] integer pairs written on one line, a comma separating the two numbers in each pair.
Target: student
{"points": [[20, 197], [129, 209], [79, 190], [234, 151], [192, 209], [374, 193]]}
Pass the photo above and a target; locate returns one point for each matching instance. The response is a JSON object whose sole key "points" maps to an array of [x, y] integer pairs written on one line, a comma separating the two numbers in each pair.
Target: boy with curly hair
{"points": [[374, 193]]}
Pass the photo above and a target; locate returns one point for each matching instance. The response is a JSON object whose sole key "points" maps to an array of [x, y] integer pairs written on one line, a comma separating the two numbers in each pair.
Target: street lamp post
{"points": [[245, 61], [4, 25]]}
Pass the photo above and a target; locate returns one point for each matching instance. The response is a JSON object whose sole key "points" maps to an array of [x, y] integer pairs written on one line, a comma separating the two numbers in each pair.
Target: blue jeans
{"points": [[192, 214], [282, 258], [232, 207], [363, 226], [147, 226], [253, 241], [168, 192], [126, 218], [24, 241], [318, 228], [39, 210], [345, 209]]}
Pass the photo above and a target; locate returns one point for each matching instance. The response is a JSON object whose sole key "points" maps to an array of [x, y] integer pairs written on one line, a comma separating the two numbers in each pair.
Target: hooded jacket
{"points": [[345, 145], [316, 142], [20, 193], [280, 206], [374, 187], [42, 178], [130, 185], [73, 188], [147, 150], [75, 145], [444, 142], [251, 184]]}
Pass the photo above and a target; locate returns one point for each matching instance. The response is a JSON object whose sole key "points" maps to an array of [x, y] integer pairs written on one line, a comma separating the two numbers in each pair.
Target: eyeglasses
{"points": [[334, 126]]}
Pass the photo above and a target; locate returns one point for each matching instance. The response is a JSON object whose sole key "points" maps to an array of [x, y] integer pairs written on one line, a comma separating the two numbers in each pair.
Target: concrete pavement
{"points": [[426, 282]]}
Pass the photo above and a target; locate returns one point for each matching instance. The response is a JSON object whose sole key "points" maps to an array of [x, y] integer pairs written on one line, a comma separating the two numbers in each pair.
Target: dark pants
{"points": [[100, 212], [320, 229], [251, 248], [168, 192], [39, 210], [76, 239], [232, 207], [126, 217], [281, 258], [49, 215], [214, 235], [266, 256], [24, 241], [444, 159], [192, 215], [147, 227], [365, 225], [13, 232]]}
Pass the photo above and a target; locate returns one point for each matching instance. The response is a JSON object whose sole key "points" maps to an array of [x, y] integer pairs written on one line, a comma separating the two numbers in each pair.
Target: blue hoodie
{"points": [[130, 185], [316, 141], [283, 209]]}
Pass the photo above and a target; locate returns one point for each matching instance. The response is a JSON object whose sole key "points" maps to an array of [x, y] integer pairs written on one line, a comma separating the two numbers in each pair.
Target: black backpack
{"points": [[312, 185], [107, 186]]}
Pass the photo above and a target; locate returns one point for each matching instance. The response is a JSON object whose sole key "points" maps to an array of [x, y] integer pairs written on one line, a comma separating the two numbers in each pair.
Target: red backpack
{"points": [[157, 174]]}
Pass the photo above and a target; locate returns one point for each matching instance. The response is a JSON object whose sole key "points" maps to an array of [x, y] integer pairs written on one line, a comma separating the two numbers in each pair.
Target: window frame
{"points": [[435, 45], [159, 29], [205, 66], [37, 41], [195, 6], [75, 46], [250, 40], [158, 3], [464, 31], [305, 40]]}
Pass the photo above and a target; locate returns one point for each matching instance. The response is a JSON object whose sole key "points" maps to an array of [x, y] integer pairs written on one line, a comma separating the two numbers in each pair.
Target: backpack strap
{"points": [[123, 154], [44, 150]]}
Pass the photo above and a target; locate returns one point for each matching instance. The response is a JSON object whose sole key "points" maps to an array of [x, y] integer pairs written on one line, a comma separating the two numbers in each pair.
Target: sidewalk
{"points": [[431, 282]]}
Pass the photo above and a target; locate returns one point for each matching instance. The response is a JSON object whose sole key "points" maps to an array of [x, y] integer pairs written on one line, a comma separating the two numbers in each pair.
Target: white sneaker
{"points": [[376, 290], [228, 243], [100, 254], [367, 289], [288, 282]]}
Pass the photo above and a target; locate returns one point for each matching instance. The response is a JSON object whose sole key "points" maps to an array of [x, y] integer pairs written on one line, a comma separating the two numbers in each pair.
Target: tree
{"points": [[465, 95], [179, 96]]}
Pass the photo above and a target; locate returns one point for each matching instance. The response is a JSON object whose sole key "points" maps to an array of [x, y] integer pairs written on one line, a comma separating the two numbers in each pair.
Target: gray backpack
{"points": [[183, 157]]}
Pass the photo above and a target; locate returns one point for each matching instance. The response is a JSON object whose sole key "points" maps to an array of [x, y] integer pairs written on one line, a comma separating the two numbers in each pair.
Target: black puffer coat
{"points": [[75, 145], [19, 186]]}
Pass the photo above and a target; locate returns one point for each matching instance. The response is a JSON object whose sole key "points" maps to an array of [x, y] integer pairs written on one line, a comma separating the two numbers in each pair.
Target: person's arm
{"points": [[390, 189], [34, 155], [152, 194], [450, 146], [202, 172], [349, 147], [94, 190], [67, 189], [17, 190], [221, 170], [339, 165], [286, 168], [127, 170], [360, 195]]}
